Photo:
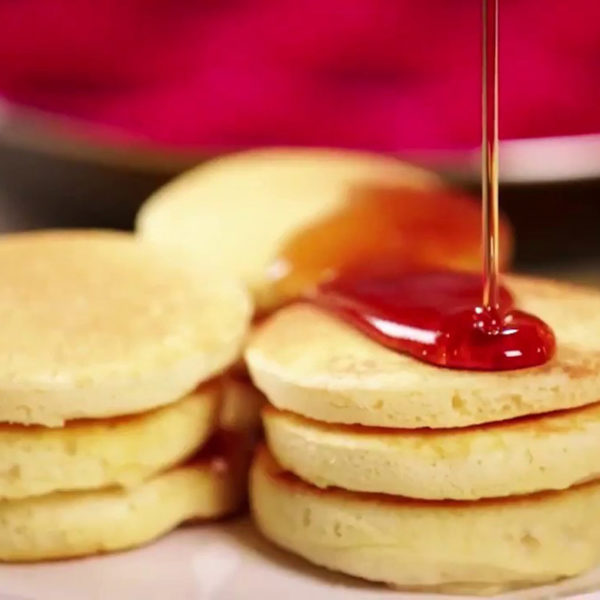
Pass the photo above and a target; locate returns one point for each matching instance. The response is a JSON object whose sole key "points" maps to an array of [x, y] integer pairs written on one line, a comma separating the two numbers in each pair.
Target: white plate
{"points": [[218, 562]]}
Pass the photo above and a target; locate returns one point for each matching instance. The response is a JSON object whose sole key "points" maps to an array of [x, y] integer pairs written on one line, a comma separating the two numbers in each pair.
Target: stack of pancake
{"points": [[110, 394], [393, 470], [375, 464]]}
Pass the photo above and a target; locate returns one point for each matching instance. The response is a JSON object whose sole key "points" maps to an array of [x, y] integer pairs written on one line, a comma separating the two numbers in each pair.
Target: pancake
{"points": [[489, 544], [238, 210], [308, 362], [123, 451], [70, 524], [98, 324], [545, 452]]}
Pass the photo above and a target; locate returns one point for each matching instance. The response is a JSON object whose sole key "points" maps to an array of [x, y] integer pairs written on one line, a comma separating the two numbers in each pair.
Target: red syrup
{"points": [[438, 318], [450, 319]]}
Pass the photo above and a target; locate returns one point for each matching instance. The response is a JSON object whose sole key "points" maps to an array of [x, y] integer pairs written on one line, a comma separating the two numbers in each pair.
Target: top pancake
{"points": [[99, 324], [309, 362], [238, 210]]}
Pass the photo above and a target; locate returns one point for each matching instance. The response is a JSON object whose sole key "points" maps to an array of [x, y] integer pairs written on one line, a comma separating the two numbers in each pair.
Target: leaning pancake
{"points": [[489, 543], [70, 524], [123, 451], [98, 324], [531, 454], [313, 364], [238, 210]]}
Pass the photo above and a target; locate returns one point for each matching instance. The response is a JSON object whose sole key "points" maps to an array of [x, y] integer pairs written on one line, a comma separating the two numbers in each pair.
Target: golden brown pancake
{"points": [[93, 454], [311, 363], [69, 524], [98, 324], [526, 455], [487, 546]]}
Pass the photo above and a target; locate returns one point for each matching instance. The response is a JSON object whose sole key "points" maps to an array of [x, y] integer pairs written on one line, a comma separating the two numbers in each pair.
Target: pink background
{"points": [[382, 74]]}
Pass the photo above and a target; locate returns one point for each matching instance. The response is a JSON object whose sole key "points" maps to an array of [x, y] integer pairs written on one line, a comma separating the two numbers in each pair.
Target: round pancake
{"points": [[123, 451], [98, 324], [313, 364], [70, 524], [239, 209], [409, 543], [545, 452]]}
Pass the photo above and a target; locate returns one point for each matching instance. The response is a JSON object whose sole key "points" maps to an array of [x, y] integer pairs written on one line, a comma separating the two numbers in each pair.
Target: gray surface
{"points": [[41, 190]]}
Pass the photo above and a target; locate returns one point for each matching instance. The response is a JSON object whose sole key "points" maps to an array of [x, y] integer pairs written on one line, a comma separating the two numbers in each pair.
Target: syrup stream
{"points": [[491, 301]]}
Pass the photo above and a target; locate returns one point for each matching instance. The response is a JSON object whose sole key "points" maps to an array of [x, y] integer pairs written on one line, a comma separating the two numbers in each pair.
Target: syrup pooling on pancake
{"points": [[369, 264], [384, 230], [446, 319], [438, 318]]}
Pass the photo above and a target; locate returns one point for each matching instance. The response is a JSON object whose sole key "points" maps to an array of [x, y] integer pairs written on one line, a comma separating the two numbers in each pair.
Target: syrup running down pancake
{"points": [[384, 232], [285, 219]]}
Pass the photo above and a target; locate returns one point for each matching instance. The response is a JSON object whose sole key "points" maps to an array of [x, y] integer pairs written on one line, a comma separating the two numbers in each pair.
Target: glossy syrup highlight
{"points": [[438, 318]]}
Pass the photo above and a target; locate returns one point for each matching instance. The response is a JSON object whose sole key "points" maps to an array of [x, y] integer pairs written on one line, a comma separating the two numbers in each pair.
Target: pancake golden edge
{"points": [[311, 363], [123, 452], [82, 523], [484, 546], [99, 324], [545, 452], [238, 210]]}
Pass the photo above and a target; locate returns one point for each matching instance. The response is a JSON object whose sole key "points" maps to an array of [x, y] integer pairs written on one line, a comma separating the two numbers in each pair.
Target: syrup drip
{"points": [[489, 155], [449, 319], [384, 231]]}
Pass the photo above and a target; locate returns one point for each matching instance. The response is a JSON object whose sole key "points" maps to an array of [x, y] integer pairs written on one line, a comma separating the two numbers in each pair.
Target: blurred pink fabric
{"points": [[381, 74]]}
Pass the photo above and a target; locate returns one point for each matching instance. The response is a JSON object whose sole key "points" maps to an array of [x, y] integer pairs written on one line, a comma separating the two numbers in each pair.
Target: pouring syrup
{"points": [[449, 318]]}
